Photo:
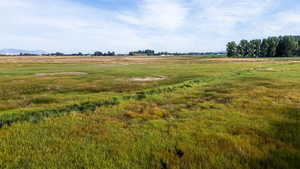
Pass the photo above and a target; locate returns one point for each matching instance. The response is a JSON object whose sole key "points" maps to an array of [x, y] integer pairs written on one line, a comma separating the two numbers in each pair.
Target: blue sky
{"points": [[125, 25]]}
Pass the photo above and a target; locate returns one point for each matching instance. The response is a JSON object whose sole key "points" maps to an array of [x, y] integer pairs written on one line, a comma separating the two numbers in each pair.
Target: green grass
{"points": [[209, 115]]}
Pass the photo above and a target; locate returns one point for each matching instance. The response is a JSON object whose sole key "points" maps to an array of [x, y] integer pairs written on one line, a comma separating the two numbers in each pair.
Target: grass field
{"points": [[206, 113]]}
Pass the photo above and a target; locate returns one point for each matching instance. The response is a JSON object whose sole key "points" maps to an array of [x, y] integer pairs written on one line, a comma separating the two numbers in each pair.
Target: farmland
{"points": [[149, 113]]}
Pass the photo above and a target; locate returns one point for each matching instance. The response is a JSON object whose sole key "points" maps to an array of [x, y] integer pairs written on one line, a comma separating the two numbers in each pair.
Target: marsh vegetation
{"points": [[205, 113]]}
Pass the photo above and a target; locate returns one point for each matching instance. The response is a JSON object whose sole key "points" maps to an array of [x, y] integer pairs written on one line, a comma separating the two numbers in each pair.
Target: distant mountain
{"points": [[18, 51]]}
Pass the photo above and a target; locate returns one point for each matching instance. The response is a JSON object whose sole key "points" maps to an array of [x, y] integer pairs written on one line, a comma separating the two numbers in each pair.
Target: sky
{"points": [[128, 25]]}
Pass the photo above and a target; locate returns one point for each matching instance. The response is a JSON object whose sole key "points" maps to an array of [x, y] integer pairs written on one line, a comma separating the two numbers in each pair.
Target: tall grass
{"points": [[204, 116]]}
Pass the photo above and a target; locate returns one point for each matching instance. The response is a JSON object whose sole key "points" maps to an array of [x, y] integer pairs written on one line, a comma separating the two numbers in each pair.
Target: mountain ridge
{"points": [[12, 51]]}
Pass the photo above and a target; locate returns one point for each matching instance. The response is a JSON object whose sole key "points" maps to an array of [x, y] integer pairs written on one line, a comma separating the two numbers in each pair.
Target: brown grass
{"points": [[76, 59], [124, 59]]}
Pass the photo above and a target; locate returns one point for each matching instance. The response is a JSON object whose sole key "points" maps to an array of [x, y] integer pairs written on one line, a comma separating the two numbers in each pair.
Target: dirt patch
{"points": [[147, 79], [61, 73], [266, 69], [269, 70], [295, 62]]}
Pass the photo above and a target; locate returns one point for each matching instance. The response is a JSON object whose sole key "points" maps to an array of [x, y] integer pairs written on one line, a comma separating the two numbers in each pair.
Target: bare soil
{"points": [[147, 79]]}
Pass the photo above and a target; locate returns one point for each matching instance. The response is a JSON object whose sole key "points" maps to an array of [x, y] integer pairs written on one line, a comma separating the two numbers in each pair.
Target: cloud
{"points": [[172, 25], [63, 25], [224, 17], [284, 22], [157, 14]]}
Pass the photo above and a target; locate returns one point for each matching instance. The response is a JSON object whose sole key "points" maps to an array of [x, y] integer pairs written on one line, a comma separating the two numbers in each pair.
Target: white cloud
{"points": [[62, 25], [224, 16], [173, 25], [285, 22], [161, 14]]}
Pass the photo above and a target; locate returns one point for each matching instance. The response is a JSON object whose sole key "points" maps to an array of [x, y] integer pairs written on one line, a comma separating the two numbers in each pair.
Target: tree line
{"points": [[282, 46], [147, 52], [97, 53]]}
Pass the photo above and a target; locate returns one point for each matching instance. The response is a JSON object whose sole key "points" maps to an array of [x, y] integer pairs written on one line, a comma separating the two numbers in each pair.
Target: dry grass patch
{"points": [[61, 73], [148, 79]]}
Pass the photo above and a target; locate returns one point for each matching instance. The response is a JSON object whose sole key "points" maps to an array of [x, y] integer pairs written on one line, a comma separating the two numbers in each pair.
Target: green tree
{"points": [[232, 49], [273, 44], [283, 46], [298, 49], [97, 53], [287, 47], [243, 48], [257, 44], [251, 48], [264, 48], [239, 51]]}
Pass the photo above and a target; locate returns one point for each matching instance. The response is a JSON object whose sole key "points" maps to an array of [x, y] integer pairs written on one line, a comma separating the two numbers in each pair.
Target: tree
{"points": [[109, 53], [149, 52], [239, 51], [251, 48], [264, 48], [232, 49], [273, 44], [97, 53], [243, 48], [257, 44], [283, 46], [287, 47], [57, 54], [298, 49]]}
